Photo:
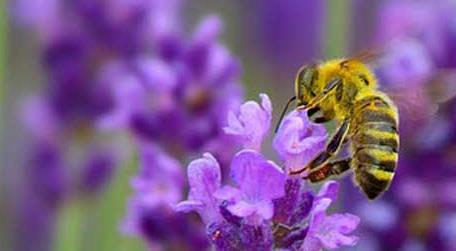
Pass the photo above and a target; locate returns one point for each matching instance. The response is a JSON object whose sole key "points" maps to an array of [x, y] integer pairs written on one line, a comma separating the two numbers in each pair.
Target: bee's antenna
{"points": [[283, 113]]}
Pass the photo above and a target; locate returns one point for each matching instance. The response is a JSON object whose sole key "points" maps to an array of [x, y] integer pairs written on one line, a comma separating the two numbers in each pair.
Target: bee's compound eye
{"points": [[301, 75], [306, 75]]}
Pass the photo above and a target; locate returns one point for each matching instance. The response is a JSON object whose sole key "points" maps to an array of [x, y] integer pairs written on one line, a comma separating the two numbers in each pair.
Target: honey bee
{"points": [[345, 90]]}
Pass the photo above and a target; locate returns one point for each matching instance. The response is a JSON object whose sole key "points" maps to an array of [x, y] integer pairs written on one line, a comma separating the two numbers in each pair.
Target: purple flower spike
{"points": [[252, 123], [329, 232], [204, 178], [298, 140], [259, 181]]}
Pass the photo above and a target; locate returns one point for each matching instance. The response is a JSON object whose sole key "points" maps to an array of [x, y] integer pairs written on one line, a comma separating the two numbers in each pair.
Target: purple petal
{"points": [[252, 123], [298, 140], [343, 223], [208, 30], [318, 212], [128, 95], [331, 230], [228, 193], [311, 244], [204, 179], [223, 67], [242, 209], [188, 206], [265, 209], [258, 178], [329, 190], [197, 57], [156, 74], [266, 103]]}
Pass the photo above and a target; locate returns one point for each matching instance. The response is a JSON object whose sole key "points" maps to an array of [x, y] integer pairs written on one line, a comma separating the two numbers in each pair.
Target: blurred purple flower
{"points": [[252, 123], [157, 187], [194, 89], [406, 63], [78, 39], [117, 26], [98, 170], [431, 23], [46, 175], [381, 216], [34, 223], [298, 140], [160, 179]]}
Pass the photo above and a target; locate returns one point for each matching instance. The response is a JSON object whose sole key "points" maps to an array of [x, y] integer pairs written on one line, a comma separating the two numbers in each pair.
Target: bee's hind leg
{"points": [[329, 169], [331, 149]]}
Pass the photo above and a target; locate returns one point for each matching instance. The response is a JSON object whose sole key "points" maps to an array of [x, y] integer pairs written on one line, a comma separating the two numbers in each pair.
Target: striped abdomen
{"points": [[375, 144]]}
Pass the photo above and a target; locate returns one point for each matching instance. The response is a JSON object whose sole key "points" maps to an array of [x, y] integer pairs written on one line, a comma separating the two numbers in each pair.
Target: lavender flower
{"points": [[265, 210]]}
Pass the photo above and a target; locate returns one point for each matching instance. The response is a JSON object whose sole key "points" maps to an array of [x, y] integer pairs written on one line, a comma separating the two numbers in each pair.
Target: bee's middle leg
{"points": [[331, 149], [329, 169]]}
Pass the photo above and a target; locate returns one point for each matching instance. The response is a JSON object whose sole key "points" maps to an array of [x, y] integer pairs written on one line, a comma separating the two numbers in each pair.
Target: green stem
{"points": [[338, 14]]}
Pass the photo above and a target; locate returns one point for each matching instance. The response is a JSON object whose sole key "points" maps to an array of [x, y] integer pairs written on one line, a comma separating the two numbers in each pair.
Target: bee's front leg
{"points": [[331, 149]]}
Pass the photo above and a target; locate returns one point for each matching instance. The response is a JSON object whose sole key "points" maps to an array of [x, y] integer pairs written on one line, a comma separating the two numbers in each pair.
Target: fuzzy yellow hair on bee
{"points": [[345, 90]]}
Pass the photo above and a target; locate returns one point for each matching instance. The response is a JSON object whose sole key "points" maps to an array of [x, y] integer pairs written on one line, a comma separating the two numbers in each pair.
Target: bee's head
{"points": [[304, 83]]}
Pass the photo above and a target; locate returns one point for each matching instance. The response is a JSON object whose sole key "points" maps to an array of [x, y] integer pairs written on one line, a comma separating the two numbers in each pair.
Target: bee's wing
{"points": [[412, 103], [420, 103], [443, 86], [370, 55]]}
